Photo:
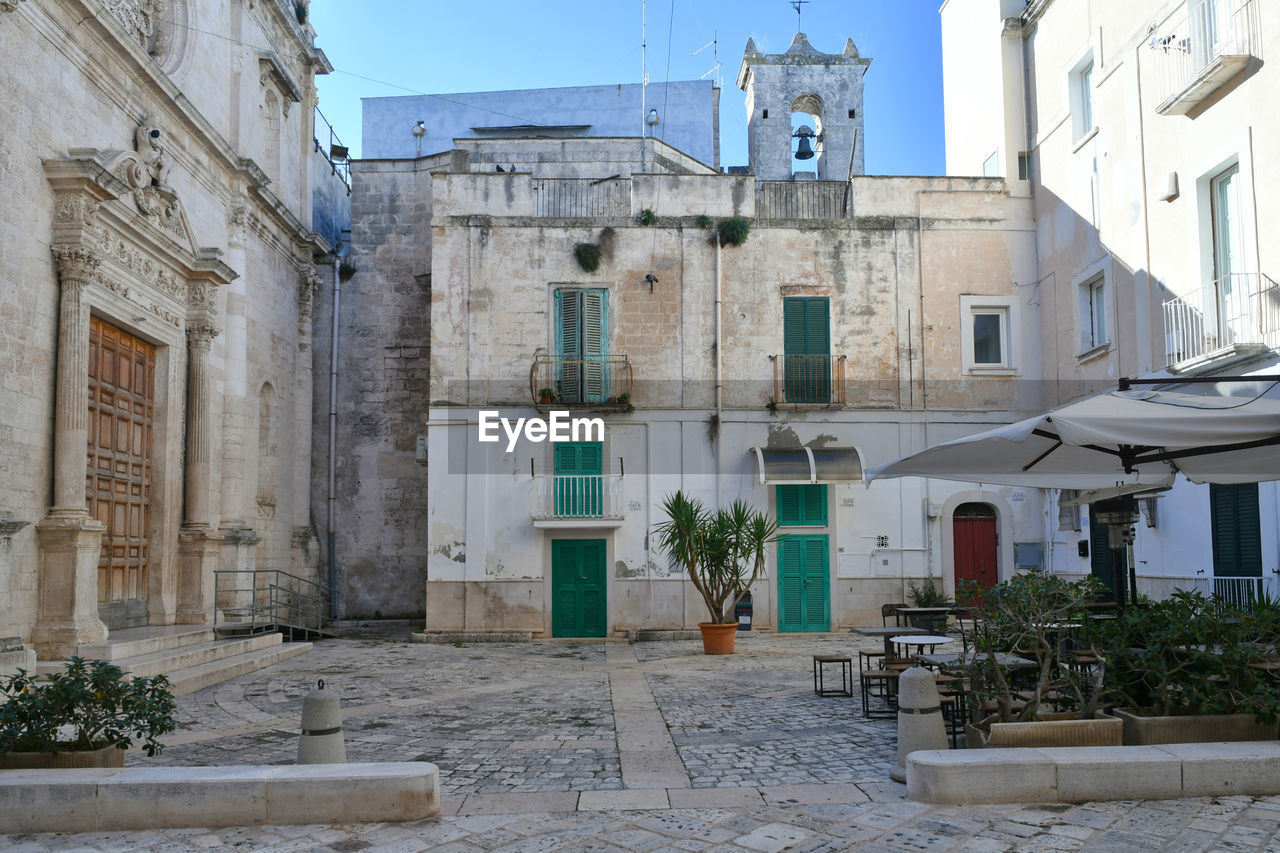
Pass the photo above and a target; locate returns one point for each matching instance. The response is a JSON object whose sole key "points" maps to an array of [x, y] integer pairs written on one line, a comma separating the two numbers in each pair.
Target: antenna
{"points": [[796, 4], [714, 44]]}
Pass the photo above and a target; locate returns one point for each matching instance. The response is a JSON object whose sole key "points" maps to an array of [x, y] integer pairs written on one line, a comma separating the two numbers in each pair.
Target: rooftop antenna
{"points": [[797, 4], [714, 44]]}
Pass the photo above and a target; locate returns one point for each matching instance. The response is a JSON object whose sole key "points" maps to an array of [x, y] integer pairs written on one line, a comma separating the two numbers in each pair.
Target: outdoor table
{"points": [[953, 658], [908, 612], [885, 631], [920, 640]]}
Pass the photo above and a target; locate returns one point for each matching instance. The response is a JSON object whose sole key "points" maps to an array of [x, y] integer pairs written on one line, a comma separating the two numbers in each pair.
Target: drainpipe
{"points": [[333, 438], [719, 369]]}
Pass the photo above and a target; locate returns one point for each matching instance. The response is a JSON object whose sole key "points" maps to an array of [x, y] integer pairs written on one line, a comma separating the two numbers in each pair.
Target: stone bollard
{"points": [[321, 741], [920, 723]]}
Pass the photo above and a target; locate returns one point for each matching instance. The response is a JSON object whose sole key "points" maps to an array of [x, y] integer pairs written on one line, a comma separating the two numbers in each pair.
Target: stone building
{"points": [[155, 292], [863, 316], [1142, 133]]}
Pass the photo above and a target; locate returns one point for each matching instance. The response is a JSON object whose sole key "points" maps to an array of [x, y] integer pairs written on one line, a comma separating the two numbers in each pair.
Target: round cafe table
{"points": [[920, 641]]}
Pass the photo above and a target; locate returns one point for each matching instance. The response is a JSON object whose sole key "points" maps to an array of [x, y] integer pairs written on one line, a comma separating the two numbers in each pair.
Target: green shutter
{"points": [[1101, 558], [802, 505], [578, 484], [806, 346], [578, 607], [815, 588], [791, 584], [1237, 533]]}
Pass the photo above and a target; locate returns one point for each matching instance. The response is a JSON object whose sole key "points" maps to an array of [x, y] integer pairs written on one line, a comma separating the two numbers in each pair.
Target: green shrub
{"points": [[733, 232], [588, 255], [647, 217]]}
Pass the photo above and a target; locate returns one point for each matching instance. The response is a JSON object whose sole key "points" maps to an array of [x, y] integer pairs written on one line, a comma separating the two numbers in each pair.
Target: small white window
{"points": [[1093, 314], [1081, 81], [988, 327]]}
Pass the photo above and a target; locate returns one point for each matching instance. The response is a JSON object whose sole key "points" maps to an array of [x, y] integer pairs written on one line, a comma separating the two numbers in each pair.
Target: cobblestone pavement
{"points": [[529, 757]]}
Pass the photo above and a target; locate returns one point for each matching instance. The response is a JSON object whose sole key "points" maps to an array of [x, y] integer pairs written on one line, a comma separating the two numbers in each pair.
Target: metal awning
{"points": [[780, 465]]}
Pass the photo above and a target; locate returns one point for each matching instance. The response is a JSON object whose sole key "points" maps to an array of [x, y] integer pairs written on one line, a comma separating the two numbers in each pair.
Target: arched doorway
{"points": [[974, 528]]}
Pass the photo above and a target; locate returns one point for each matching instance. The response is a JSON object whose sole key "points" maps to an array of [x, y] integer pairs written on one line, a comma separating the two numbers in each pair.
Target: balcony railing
{"points": [[581, 197], [591, 380], [808, 379], [1201, 49], [803, 200], [332, 150], [579, 496], [1243, 308]]}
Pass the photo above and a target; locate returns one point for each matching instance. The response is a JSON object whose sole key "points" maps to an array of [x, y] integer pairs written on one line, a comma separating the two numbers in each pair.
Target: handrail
{"points": [[587, 380], [341, 168], [808, 379], [274, 600], [1240, 308]]}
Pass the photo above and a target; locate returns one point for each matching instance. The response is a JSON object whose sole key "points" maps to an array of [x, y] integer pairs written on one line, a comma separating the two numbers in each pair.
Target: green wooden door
{"points": [[803, 584], [806, 344], [1237, 532], [578, 480], [577, 588]]}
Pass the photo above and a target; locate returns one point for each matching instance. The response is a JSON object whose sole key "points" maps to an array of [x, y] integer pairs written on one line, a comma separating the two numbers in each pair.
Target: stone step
{"points": [[204, 675], [135, 642], [185, 657]]}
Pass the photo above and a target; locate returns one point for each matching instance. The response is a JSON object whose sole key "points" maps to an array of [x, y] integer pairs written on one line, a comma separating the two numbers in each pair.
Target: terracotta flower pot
{"points": [[108, 756], [718, 639]]}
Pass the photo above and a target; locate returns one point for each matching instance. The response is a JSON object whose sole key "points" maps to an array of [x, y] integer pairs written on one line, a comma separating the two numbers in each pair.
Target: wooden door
{"points": [[803, 584], [121, 380], [578, 588], [975, 550]]}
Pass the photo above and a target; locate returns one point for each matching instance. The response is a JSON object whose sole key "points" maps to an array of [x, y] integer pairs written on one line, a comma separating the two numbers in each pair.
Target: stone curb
{"points": [[1094, 773], [102, 800], [447, 637]]}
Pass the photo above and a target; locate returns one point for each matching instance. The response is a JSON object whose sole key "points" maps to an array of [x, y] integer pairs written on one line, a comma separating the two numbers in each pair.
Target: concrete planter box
{"points": [[1193, 728], [108, 756], [1047, 730]]}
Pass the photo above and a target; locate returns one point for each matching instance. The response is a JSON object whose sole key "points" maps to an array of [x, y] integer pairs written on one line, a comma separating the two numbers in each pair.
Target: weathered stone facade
{"points": [[161, 188]]}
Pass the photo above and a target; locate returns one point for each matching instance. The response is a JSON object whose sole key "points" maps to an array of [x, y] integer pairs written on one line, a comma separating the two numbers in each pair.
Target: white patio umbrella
{"points": [[1218, 430]]}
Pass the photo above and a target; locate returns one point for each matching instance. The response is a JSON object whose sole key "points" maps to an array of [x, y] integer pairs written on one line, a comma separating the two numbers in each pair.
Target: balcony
{"points": [[808, 380], [809, 200], [578, 500], [593, 382], [1239, 310], [581, 197], [1201, 49]]}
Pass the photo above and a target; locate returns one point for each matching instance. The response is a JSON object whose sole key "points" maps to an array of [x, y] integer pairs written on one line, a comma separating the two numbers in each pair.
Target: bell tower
{"points": [[822, 92]]}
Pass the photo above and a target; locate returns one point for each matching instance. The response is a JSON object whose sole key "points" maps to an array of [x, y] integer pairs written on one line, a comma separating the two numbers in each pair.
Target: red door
{"points": [[975, 550]]}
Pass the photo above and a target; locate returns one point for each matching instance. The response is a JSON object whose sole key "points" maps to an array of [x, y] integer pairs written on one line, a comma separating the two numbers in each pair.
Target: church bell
{"points": [[804, 151]]}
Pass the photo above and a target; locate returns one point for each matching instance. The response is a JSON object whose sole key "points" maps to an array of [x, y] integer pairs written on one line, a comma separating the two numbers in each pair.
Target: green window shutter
{"points": [[815, 588], [1101, 559], [817, 327], [802, 505], [806, 345], [791, 584], [793, 325], [579, 488], [595, 344], [1237, 533]]}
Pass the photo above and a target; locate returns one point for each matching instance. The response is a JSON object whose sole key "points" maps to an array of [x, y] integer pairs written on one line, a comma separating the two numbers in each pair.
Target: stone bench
{"points": [[100, 800], [1094, 773]]}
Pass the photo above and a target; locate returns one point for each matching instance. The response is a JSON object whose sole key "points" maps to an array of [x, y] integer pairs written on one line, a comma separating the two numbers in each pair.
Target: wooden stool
{"points": [[846, 675]]}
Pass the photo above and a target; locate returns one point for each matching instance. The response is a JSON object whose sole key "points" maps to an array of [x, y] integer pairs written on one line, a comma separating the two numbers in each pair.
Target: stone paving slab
{"points": [[527, 738]]}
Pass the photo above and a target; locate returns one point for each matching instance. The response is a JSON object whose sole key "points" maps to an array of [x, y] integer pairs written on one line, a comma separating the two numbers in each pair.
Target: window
{"points": [[802, 505], [989, 336], [1237, 532], [1024, 166], [991, 166], [582, 344], [578, 484], [1081, 81], [806, 346], [1093, 314]]}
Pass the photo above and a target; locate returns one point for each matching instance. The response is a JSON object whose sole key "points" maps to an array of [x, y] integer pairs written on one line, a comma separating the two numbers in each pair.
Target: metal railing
{"points": [[1240, 593], [581, 197], [1201, 48], [258, 600], [579, 496], [591, 380], [340, 165], [803, 200], [1242, 308], [808, 379]]}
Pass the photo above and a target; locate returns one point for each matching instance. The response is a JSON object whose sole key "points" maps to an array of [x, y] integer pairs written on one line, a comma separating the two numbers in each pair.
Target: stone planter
{"points": [[108, 756], [718, 639], [1047, 730], [1193, 728]]}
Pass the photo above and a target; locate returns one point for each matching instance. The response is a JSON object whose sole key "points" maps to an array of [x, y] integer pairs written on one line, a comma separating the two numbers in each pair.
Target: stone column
{"points": [[303, 541], [70, 540], [239, 538], [198, 542]]}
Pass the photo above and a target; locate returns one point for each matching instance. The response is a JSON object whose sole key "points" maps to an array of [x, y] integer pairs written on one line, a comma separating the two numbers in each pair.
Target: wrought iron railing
{"points": [[1239, 593], [258, 600], [1242, 308], [1210, 41], [581, 197], [803, 200], [590, 380], [808, 379], [579, 496], [333, 151]]}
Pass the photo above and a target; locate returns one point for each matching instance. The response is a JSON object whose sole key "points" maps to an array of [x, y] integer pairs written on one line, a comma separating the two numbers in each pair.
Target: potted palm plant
{"points": [[723, 553], [85, 716], [1042, 694]]}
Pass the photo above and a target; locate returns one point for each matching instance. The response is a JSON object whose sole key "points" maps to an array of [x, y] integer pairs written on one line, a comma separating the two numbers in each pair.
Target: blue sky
{"points": [[430, 46]]}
